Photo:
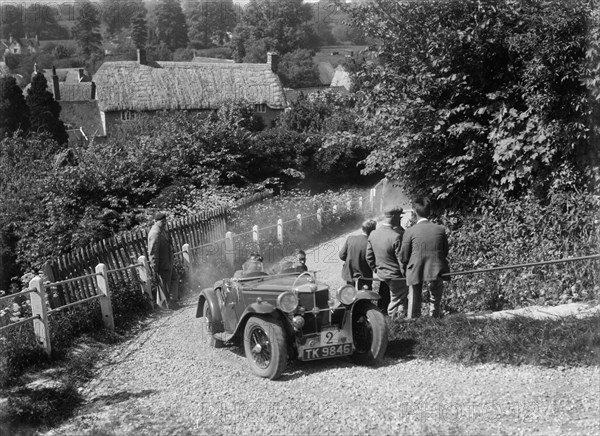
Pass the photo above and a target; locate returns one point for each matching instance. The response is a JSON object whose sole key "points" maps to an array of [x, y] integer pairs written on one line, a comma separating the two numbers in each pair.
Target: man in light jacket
{"points": [[424, 255], [383, 256], [160, 253]]}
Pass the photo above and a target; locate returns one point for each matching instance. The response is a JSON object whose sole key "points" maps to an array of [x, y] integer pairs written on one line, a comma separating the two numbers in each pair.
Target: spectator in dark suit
{"points": [[160, 251], [424, 255], [354, 253], [383, 256]]}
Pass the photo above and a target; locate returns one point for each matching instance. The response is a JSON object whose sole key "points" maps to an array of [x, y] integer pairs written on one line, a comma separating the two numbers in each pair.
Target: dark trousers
{"points": [[168, 282], [415, 298]]}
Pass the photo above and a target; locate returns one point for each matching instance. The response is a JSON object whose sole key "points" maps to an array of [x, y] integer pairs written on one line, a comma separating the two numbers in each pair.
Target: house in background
{"points": [[20, 46], [73, 89], [125, 89]]}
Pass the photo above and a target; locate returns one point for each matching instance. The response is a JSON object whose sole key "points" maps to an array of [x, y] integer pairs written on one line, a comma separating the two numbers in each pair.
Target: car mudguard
{"points": [[257, 308], [362, 298], [208, 296]]}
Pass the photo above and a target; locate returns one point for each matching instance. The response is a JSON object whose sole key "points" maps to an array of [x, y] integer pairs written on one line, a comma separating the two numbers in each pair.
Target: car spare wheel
{"points": [[370, 333], [265, 346], [211, 327]]}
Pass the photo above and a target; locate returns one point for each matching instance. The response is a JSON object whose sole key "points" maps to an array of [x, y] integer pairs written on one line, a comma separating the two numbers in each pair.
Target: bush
{"points": [[519, 340], [502, 232]]}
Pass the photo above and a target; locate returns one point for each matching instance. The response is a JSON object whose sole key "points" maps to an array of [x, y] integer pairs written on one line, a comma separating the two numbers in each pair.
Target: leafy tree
{"points": [[478, 93], [139, 31], [210, 21], [86, 30], [274, 26], [44, 110], [171, 27], [119, 14], [14, 113], [297, 69]]}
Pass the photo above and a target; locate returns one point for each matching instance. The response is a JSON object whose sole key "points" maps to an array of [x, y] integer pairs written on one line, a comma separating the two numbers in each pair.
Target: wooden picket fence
{"points": [[88, 274]]}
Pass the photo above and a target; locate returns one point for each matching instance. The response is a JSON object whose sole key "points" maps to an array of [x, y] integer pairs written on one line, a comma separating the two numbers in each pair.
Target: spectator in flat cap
{"points": [[383, 256], [160, 251]]}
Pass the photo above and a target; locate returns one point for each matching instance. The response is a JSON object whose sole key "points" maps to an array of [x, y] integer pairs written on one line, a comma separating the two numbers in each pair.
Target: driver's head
{"points": [[300, 256], [254, 263]]}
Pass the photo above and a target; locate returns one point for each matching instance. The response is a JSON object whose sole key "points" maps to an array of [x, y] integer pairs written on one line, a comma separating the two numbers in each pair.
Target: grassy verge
{"points": [[559, 342]]}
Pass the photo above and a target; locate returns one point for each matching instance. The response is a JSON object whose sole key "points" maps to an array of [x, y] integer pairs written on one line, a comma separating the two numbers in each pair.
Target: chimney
{"points": [[80, 74], [141, 56], [55, 85], [273, 61], [93, 91]]}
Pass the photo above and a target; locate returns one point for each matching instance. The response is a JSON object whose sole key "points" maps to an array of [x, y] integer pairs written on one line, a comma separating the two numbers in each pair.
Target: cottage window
{"points": [[261, 108], [127, 115], [15, 50]]}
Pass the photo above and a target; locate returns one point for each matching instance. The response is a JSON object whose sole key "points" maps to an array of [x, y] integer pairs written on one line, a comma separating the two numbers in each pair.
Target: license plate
{"points": [[332, 336], [326, 352]]}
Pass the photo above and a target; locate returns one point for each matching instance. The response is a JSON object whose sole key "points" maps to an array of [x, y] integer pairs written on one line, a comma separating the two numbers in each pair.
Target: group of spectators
{"points": [[403, 261]]}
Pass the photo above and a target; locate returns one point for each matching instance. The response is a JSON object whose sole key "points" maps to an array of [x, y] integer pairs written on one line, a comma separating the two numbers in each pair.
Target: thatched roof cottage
{"points": [[126, 88]]}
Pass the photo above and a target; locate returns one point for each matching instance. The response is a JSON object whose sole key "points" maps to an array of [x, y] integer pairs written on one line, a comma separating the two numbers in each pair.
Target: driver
{"points": [[253, 267]]}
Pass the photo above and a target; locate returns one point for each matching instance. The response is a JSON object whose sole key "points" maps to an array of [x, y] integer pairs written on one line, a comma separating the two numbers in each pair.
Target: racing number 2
{"points": [[328, 338]]}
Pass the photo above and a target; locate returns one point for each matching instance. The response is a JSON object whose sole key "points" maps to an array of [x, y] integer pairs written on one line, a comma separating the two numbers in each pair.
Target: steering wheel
{"points": [[301, 274]]}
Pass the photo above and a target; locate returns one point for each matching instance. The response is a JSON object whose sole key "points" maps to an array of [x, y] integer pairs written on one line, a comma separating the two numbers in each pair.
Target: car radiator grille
{"points": [[318, 299]]}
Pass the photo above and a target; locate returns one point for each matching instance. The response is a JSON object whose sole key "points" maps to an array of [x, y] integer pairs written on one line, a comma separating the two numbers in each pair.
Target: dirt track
{"points": [[168, 381]]}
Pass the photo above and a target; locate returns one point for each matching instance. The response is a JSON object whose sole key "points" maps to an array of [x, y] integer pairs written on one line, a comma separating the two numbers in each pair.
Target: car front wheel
{"points": [[265, 346], [211, 327], [370, 333]]}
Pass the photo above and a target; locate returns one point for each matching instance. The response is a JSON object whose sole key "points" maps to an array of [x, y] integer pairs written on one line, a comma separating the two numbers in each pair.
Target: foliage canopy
{"points": [[475, 94]]}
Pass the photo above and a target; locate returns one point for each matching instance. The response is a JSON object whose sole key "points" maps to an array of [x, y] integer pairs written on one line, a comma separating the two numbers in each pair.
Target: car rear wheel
{"points": [[211, 327], [265, 346], [370, 333]]}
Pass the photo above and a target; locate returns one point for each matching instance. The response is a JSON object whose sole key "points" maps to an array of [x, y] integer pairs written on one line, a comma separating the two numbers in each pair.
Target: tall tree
{"points": [[471, 95], [210, 21], [14, 113], [171, 27], [86, 30], [281, 26], [139, 30], [44, 110], [118, 14]]}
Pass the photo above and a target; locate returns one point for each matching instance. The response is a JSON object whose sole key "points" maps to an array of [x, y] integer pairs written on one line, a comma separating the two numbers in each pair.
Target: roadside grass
{"points": [[567, 341]]}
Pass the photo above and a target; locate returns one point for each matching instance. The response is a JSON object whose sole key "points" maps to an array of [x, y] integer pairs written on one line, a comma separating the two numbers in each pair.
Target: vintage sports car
{"points": [[292, 316]]}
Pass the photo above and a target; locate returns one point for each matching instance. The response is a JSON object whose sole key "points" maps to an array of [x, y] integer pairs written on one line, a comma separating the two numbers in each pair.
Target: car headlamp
{"points": [[287, 301], [347, 294]]}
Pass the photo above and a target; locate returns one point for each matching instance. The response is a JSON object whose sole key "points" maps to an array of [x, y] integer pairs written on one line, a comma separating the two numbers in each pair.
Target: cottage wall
{"points": [[113, 122]]}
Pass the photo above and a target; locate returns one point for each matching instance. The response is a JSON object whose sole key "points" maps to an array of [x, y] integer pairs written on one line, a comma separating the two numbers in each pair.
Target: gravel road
{"points": [[168, 381]]}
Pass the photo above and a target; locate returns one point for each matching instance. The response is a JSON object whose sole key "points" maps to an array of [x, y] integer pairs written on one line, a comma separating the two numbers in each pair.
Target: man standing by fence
{"points": [[424, 256], [160, 251]]}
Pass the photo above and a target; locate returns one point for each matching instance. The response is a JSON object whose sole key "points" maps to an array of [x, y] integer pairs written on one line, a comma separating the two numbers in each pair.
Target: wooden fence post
{"points": [[39, 308], [229, 250], [143, 271], [299, 219], [280, 231], [372, 199], [320, 217], [105, 304], [360, 204], [255, 235]]}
